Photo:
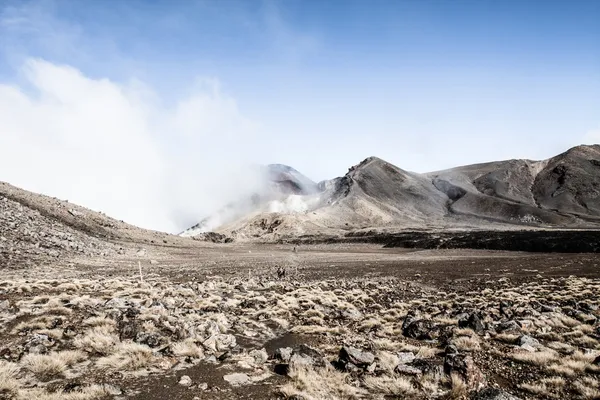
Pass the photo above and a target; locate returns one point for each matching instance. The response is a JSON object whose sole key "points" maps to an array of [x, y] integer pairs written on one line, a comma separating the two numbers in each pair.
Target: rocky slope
{"points": [[35, 228], [560, 192]]}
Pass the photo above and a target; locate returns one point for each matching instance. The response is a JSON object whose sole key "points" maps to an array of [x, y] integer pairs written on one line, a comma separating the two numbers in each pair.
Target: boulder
{"points": [[528, 343], [405, 357], [352, 355], [300, 360], [220, 342], [508, 326], [259, 357], [407, 370], [421, 329], [283, 354], [237, 379], [185, 381], [472, 322]]}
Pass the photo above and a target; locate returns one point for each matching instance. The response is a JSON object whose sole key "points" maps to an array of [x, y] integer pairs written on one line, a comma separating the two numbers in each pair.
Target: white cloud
{"points": [[115, 148]]}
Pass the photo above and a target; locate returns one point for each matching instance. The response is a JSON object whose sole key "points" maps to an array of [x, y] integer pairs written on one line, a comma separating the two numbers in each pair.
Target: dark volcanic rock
{"points": [[351, 356], [407, 370], [473, 322], [508, 326], [301, 355], [421, 329]]}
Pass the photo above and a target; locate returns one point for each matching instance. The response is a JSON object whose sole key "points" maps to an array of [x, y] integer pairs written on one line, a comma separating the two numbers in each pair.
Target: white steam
{"points": [[294, 204], [118, 148]]}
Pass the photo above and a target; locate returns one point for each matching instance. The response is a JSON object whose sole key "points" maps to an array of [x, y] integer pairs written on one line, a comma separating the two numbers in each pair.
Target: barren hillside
{"points": [[561, 192], [35, 228]]}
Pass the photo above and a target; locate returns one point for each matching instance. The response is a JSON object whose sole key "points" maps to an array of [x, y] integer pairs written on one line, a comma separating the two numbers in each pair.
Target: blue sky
{"points": [[319, 85]]}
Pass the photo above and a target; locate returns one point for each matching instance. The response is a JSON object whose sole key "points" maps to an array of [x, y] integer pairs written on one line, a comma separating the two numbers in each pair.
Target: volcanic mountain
{"points": [[563, 191], [279, 189]]}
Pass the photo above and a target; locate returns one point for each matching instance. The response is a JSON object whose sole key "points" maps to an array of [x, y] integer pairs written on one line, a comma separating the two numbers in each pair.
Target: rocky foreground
{"points": [[270, 337]]}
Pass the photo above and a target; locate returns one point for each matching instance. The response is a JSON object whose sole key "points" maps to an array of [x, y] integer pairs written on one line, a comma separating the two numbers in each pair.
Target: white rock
{"points": [[259, 356], [237, 379], [185, 381]]}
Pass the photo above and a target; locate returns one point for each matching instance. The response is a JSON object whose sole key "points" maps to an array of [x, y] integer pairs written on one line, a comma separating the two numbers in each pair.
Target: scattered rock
{"points": [[421, 329], [298, 360], [528, 343], [472, 322], [283, 354], [508, 326], [185, 381], [237, 379], [405, 357], [259, 356], [113, 390], [355, 357], [407, 370], [220, 342]]}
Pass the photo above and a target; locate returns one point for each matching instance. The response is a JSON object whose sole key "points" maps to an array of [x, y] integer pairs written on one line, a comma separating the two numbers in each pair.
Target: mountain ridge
{"points": [[562, 191]]}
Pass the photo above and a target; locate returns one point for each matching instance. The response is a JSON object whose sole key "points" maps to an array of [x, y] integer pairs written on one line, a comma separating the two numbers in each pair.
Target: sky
{"points": [[154, 111]]}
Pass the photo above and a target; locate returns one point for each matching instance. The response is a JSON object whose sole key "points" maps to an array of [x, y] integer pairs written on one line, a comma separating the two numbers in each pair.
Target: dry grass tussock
{"points": [[9, 386], [421, 351], [99, 340], [394, 385], [540, 389], [588, 388], [467, 343], [459, 388], [387, 361], [539, 358], [316, 384], [128, 357], [91, 392], [317, 329], [187, 348], [45, 366], [332, 311], [509, 338]]}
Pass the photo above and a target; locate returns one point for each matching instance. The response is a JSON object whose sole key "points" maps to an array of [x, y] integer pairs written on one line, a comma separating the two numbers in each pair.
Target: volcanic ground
{"points": [[93, 308]]}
